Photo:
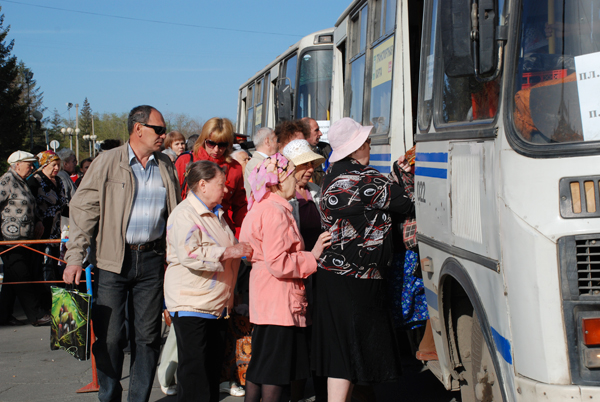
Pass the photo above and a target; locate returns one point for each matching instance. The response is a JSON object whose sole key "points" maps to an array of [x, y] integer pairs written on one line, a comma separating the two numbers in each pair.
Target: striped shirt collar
{"points": [[133, 159]]}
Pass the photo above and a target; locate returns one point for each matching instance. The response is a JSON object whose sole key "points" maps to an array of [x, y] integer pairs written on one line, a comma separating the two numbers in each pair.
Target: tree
{"points": [[13, 114], [85, 125], [54, 124], [32, 98], [183, 123]]}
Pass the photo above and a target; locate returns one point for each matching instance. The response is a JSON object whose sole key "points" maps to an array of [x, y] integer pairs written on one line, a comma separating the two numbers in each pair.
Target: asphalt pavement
{"points": [[30, 372]]}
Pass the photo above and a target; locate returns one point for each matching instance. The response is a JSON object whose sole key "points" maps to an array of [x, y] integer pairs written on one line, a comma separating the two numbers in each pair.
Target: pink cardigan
{"points": [[277, 293]]}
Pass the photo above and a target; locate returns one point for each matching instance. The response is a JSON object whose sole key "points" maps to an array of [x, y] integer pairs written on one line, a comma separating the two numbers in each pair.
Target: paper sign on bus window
{"points": [[324, 127], [587, 68], [429, 80], [383, 62]]}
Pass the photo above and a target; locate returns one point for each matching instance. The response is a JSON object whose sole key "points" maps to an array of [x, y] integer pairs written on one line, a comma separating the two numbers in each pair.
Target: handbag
{"points": [[70, 325]]}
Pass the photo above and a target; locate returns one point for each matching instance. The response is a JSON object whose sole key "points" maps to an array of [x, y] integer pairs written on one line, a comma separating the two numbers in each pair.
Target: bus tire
{"points": [[464, 330], [480, 379]]}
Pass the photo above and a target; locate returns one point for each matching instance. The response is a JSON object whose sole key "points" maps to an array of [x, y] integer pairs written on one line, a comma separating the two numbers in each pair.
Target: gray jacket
{"points": [[18, 207]]}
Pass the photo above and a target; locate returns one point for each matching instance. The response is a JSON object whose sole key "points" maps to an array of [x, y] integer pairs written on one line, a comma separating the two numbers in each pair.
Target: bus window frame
{"points": [[517, 143], [259, 83], [355, 20], [300, 56], [476, 129]]}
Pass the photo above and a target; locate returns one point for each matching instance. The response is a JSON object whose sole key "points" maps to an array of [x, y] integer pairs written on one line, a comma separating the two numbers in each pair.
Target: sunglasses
{"points": [[213, 144], [159, 130]]}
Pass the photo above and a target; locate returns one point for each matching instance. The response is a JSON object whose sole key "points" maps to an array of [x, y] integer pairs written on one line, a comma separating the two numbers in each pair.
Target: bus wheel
{"points": [[464, 331], [487, 388]]}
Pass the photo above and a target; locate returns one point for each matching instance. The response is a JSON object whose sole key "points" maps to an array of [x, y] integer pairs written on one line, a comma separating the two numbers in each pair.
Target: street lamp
{"points": [[91, 142], [69, 131]]}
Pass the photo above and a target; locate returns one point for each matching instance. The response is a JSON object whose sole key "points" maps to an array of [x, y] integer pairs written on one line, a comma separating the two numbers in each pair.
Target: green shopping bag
{"points": [[70, 324]]}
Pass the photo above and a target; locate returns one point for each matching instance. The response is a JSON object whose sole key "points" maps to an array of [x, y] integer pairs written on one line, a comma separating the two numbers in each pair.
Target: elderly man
{"points": [[265, 142], [68, 173], [120, 210], [321, 148], [17, 204]]}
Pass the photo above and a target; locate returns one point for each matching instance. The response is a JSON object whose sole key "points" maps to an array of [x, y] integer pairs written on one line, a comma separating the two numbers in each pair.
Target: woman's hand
{"points": [[238, 251], [404, 165], [323, 242]]}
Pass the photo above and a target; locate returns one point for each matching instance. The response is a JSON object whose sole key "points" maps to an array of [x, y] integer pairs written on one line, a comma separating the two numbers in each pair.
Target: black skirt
{"points": [[352, 335], [279, 355]]}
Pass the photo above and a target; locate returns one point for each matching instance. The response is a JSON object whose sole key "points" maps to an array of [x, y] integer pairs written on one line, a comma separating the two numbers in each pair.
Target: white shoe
{"points": [[232, 388], [170, 390]]}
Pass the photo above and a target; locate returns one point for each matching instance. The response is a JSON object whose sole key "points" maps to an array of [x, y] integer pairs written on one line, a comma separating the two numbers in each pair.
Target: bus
{"points": [[501, 99], [296, 84]]}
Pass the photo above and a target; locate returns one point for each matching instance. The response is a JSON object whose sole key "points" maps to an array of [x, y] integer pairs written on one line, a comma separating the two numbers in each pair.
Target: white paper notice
{"points": [[324, 126], [429, 81], [587, 68]]}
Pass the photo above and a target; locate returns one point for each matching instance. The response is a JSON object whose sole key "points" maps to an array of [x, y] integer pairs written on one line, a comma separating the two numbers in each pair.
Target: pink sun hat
{"points": [[346, 136]]}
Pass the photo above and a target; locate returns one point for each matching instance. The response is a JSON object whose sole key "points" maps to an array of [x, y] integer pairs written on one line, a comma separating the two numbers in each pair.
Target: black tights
{"points": [[268, 393]]}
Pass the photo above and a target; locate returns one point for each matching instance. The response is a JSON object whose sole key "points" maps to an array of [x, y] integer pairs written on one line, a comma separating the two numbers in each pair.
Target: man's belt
{"points": [[145, 246]]}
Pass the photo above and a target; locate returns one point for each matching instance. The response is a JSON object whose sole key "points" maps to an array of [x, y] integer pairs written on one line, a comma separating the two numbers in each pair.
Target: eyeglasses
{"points": [[213, 144], [159, 130]]}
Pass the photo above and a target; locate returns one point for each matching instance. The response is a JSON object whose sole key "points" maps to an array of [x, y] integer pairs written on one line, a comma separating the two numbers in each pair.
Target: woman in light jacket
{"points": [[277, 293], [204, 258]]}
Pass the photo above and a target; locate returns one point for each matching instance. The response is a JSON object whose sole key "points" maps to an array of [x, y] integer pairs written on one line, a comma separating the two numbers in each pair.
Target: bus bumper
{"points": [[529, 390]]}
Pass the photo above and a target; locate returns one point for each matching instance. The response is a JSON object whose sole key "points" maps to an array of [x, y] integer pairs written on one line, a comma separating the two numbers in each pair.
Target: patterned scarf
{"points": [[270, 172]]}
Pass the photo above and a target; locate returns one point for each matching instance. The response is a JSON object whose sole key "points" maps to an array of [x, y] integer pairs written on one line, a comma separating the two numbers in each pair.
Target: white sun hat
{"points": [[299, 152], [346, 136]]}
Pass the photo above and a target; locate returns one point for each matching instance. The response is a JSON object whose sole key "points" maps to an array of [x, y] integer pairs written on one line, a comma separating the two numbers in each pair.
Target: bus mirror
{"points": [[456, 39], [488, 20], [283, 109]]}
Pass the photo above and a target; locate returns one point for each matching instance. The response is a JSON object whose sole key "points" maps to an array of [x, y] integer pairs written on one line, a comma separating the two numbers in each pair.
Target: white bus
{"points": [[296, 84], [507, 169]]}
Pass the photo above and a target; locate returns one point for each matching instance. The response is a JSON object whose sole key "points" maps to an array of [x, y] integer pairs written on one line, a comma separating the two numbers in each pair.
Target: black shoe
{"points": [[12, 322], [45, 320]]}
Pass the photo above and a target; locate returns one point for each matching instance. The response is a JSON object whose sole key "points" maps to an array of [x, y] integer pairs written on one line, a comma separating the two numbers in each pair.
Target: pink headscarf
{"points": [[272, 171]]}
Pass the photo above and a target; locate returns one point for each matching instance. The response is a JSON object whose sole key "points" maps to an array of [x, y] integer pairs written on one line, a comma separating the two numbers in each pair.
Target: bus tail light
{"points": [[592, 358], [591, 331]]}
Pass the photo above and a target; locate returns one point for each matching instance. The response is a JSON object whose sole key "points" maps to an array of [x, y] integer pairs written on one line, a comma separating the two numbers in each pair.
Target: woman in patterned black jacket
{"points": [[353, 338]]}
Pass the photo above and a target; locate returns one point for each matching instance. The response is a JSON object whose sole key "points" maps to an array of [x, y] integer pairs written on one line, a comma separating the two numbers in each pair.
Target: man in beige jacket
{"points": [[120, 211]]}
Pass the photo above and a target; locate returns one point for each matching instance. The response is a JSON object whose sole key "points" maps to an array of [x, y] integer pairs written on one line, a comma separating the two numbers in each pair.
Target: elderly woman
{"points": [[50, 199], [17, 204], [204, 258], [308, 195], [216, 144], [353, 338], [277, 293]]}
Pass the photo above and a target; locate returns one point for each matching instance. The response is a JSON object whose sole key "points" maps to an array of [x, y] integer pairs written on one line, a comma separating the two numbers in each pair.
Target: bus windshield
{"points": [[314, 84], [558, 76]]}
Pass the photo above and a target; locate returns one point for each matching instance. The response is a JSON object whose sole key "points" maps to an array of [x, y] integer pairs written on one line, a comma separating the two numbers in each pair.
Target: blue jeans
{"points": [[142, 277]]}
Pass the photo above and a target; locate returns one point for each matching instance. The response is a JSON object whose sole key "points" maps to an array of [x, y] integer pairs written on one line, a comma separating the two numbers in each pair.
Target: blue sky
{"points": [[191, 59]]}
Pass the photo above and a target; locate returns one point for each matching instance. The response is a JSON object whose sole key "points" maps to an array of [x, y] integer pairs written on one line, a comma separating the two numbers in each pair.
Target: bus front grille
{"points": [[588, 266]]}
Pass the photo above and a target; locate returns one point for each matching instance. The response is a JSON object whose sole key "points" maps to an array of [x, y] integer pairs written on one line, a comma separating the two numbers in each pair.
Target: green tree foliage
{"points": [[33, 99], [54, 124], [13, 114], [111, 126], [85, 125]]}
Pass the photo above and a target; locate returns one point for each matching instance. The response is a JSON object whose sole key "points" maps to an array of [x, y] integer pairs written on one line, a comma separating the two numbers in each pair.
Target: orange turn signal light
{"points": [[591, 331]]}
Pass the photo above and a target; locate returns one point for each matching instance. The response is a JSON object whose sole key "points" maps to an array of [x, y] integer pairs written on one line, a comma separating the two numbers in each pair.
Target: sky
{"points": [[179, 56]]}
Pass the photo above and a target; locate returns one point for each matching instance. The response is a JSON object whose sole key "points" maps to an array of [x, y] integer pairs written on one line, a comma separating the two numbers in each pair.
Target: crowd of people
{"points": [[270, 267]]}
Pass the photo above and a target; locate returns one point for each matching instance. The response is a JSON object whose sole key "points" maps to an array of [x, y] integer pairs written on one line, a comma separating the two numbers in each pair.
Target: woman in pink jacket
{"points": [[277, 294]]}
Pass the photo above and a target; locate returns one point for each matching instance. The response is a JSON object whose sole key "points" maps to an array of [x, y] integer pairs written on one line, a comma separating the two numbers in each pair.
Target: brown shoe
{"points": [[426, 356], [45, 320]]}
